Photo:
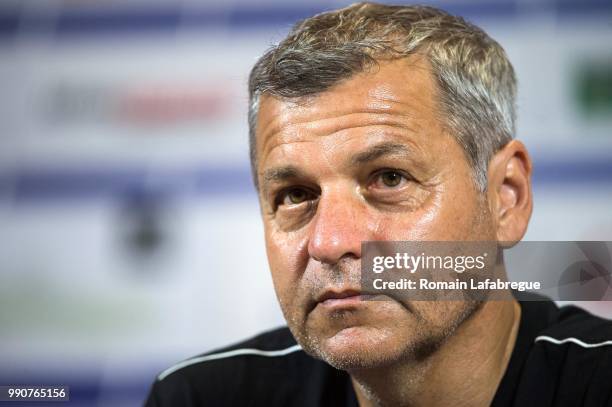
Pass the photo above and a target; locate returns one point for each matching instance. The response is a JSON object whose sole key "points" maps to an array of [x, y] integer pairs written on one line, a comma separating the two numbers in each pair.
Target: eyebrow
{"points": [[287, 172], [379, 150], [279, 174]]}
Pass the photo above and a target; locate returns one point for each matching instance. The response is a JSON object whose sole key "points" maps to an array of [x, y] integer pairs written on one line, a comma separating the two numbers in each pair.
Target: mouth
{"points": [[341, 299]]}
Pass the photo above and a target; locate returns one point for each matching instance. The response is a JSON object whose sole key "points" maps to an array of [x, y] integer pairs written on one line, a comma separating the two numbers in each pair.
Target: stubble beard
{"points": [[426, 339], [382, 352]]}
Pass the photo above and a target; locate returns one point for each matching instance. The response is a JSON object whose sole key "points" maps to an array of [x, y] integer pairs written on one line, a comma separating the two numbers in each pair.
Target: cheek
{"points": [[287, 257], [449, 214], [424, 223], [455, 214]]}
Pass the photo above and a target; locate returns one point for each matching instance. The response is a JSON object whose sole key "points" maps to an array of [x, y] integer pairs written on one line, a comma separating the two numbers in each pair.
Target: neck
{"points": [[466, 370]]}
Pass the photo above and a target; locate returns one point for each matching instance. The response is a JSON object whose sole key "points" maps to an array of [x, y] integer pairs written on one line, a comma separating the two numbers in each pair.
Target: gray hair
{"points": [[476, 81]]}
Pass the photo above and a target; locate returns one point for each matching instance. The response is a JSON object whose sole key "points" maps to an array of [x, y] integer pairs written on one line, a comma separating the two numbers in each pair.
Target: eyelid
{"points": [[376, 174], [281, 194]]}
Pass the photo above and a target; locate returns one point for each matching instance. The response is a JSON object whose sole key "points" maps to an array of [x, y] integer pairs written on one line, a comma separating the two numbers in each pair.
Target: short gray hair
{"points": [[476, 81]]}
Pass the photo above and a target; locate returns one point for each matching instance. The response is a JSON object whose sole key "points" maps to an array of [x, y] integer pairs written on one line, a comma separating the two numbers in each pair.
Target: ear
{"points": [[509, 192]]}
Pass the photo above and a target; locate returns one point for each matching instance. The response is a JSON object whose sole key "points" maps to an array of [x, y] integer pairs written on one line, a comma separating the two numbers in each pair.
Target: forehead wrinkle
{"points": [[364, 118], [382, 97], [380, 150], [280, 142], [380, 101], [374, 94], [329, 126]]}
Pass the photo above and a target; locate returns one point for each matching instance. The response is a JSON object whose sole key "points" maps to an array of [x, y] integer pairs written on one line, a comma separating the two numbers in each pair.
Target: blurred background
{"points": [[129, 228]]}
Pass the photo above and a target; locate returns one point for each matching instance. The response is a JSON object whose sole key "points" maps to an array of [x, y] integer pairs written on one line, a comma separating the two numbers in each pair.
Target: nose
{"points": [[338, 228]]}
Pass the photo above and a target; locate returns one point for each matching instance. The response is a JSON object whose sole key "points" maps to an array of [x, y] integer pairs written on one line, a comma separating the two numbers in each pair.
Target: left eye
{"points": [[390, 179]]}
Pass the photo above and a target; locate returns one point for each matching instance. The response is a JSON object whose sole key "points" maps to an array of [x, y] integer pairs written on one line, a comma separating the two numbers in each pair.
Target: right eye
{"points": [[294, 196]]}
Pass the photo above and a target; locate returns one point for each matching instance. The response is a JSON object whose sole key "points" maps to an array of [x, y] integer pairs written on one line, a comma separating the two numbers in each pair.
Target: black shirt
{"points": [[562, 357]]}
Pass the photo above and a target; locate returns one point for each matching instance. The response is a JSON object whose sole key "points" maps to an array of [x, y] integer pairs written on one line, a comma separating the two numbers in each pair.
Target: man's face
{"points": [[366, 160]]}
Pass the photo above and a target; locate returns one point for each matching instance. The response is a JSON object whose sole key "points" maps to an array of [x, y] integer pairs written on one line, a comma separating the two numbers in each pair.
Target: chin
{"points": [[361, 347]]}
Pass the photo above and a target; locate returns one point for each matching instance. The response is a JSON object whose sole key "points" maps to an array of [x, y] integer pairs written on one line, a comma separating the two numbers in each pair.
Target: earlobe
{"points": [[510, 197]]}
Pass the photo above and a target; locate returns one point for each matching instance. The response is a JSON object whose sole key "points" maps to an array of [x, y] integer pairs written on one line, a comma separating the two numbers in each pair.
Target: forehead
{"points": [[397, 95]]}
